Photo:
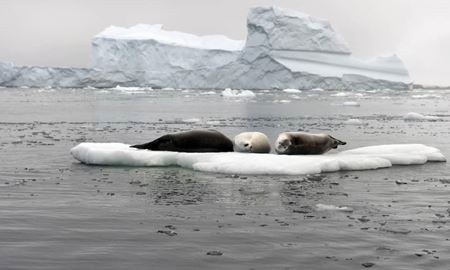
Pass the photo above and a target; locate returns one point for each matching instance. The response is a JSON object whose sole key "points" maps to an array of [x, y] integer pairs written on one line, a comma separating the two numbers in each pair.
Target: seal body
{"points": [[190, 141], [251, 142], [303, 143]]}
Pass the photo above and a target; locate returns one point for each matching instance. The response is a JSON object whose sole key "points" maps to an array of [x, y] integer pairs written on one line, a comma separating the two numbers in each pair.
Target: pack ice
{"points": [[365, 158], [284, 49]]}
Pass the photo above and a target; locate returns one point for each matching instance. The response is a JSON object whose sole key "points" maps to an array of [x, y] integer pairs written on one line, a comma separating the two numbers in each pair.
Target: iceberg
{"points": [[365, 158], [284, 49]]}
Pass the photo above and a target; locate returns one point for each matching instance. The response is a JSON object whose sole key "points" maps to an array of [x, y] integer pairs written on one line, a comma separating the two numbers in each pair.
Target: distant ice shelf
{"points": [[365, 158], [284, 49]]}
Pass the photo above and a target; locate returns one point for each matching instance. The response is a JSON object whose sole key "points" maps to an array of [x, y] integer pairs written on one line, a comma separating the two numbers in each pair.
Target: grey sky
{"points": [[58, 32]]}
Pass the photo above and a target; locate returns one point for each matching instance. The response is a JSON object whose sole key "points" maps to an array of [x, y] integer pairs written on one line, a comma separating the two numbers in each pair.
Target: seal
{"points": [[303, 143], [251, 142], [190, 141]]}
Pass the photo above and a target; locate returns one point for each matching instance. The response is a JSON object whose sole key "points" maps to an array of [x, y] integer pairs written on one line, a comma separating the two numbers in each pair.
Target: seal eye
{"points": [[246, 145]]}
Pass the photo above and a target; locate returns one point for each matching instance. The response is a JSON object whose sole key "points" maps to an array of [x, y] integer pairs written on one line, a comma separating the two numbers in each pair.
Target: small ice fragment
{"points": [[340, 94], [353, 121], [330, 207], [351, 103], [413, 116], [318, 89], [292, 90], [208, 93], [231, 93], [191, 120]]}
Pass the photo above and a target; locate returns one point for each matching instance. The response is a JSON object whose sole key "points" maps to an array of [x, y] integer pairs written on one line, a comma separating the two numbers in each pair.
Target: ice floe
{"points": [[413, 116], [231, 93], [292, 91], [330, 207], [351, 104], [365, 158]]}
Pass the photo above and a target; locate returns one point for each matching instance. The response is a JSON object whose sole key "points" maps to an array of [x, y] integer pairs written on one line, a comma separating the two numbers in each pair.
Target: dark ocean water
{"points": [[58, 214]]}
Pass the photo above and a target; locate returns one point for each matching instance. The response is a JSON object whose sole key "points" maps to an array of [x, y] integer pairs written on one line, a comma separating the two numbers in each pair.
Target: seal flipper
{"points": [[142, 146], [337, 142], [153, 145]]}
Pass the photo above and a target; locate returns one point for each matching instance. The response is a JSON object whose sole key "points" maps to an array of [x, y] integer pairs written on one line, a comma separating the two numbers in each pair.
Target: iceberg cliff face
{"points": [[284, 49], [280, 29]]}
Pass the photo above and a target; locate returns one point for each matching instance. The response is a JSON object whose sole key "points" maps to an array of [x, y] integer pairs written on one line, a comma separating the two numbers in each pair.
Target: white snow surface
{"points": [[156, 32], [365, 158]]}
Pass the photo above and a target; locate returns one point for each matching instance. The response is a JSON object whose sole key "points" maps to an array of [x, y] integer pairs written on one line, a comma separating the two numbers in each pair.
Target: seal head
{"points": [[251, 142]]}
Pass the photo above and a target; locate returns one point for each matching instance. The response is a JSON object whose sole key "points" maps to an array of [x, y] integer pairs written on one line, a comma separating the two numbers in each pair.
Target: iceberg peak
{"points": [[284, 29]]}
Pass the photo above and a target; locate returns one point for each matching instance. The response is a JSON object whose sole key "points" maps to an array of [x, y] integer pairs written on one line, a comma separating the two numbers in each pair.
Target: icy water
{"points": [[58, 214]]}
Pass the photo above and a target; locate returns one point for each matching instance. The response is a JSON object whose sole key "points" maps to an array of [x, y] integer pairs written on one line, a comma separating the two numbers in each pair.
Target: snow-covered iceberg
{"points": [[283, 49], [366, 158]]}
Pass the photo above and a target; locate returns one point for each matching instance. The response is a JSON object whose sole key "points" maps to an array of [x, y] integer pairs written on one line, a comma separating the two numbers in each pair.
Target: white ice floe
{"points": [[282, 101], [353, 121], [340, 94], [191, 120], [426, 96], [293, 91], [231, 93], [413, 116], [132, 89], [317, 89], [208, 93], [351, 104], [330, 207], [366, 158]]}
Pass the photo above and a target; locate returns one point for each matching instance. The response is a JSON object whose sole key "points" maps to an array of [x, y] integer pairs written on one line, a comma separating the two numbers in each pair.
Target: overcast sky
{"points": [[58, 32]]}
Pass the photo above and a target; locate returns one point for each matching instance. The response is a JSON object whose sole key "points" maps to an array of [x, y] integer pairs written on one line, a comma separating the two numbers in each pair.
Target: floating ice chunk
{"points": [[366, 158], [213, 123], [413, 116], [353, 121], [191, 120], [329, 207], [208, 93], [132, 89], [292, 90], [351, 104], [45, 90], [230, 93], [426, 96], [400, 154], [318, 89], [282, 101], [340, 94]]}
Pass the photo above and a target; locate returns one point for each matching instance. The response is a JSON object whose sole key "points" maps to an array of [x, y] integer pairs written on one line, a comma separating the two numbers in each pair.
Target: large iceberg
{"points": [[284, 49]]}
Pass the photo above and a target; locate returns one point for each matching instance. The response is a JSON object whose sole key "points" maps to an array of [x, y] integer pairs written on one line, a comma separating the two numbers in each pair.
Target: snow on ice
{"points": [[365, 158]]}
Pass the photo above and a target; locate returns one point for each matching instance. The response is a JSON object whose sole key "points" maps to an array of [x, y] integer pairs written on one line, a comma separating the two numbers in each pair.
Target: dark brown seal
{"points": [[303, 143], [190, 141]]}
